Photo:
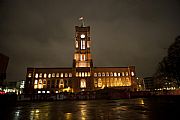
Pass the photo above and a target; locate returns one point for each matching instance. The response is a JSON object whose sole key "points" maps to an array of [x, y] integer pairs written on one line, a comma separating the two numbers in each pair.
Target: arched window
{"points": [[66, 75], [127, 74], [99, 74], [99, 82], [40, 75], [107, 74], [83, 83], [61, 74], [95, 74], [111, 74], [53, 74], [115, 74], [70, 74], [36, 76], [76, 44], [45, 75], [49, 75], [103, 74], [61, 83]]}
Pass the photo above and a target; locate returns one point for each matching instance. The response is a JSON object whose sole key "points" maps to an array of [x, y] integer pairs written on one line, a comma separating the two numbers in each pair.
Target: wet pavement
{"points": [[122, 109]]}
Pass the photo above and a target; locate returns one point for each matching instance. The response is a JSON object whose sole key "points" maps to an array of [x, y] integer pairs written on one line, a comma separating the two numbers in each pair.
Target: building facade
{"points": [[83, 76]]}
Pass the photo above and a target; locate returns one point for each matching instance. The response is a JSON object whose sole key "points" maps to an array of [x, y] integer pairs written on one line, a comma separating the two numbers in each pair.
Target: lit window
{"points": [[53, 74], [57, 74], [40, 75], [40, 81], [45, 75], [86, 74], [132, 73], [119, 74], [61, 83], [30, 75], [89, 74], [83, 83], [79, 74], [82, 74], [43, 91], [115, 74], [66, 75], [61, 74], [82, 57], [103, 74], [76, 44], [39, 91], [36, 82], [88, 44], [99, 82], [48, 91], [95, 83], [95, 74], [83, 44], [99, 74], [122, 73], [70, 74], [49, 75], [107, 74], [40, 84], [56, 91], [36, 76], [111, 74], [126, 73], [44, 81]]}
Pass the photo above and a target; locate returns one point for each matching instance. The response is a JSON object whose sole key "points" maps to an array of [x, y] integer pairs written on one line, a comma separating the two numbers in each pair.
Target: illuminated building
{"points": [[83, 76]]}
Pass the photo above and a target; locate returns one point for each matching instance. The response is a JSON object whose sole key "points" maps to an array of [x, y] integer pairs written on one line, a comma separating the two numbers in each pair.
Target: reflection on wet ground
{"points": [[123, 109]]}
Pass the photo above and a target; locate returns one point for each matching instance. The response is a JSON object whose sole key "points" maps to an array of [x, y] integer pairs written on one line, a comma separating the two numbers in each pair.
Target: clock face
{"points": [[82, 36]]}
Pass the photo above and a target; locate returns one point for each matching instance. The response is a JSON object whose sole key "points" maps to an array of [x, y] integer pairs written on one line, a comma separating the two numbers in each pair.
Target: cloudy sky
{"points": [[40, 33]]}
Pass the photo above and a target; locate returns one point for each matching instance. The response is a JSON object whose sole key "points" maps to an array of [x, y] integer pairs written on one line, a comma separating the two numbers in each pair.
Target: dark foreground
{"points": [[156, 108]]}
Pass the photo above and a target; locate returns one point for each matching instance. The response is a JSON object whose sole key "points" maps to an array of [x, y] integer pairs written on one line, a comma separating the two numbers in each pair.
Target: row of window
{"points": [[49, 75], [79, 74], [83, 74], [112, 82], [115, 74], [43, 83], [83, 44]]}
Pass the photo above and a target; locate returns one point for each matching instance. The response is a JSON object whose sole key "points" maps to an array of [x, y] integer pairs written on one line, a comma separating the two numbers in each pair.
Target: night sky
{"points": [[40, 33]]}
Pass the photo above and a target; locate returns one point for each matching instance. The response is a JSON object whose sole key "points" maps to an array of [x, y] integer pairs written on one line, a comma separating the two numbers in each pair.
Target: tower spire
{"points": [[82, 21]]}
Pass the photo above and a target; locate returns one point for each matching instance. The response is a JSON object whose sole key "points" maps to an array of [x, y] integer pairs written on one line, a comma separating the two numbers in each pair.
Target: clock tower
{"points": [[82, 55]]}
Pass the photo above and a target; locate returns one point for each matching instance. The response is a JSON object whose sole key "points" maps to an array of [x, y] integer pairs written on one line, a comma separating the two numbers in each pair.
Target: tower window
{"points": [[76, 44], [88, 44], [82, 57], [83, 44]]}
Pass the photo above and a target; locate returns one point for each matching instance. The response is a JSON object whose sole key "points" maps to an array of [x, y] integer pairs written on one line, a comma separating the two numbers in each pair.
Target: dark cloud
{"points": [[40, 33]]}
